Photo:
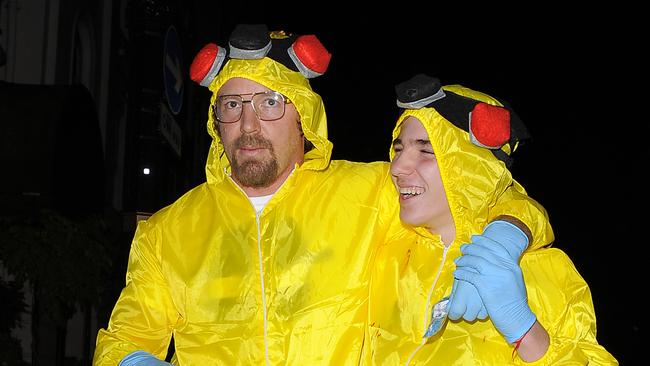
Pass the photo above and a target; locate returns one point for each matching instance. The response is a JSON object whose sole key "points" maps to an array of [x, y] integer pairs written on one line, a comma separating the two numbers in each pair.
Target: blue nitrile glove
{"points": [[499, 281], [509, 235], [464, 300], [142, 358]]}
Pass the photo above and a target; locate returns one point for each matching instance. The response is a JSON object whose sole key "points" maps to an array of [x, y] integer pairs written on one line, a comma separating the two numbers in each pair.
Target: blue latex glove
{"points": [[465, 300], [142, 358], [500, 283], [508, 235]]}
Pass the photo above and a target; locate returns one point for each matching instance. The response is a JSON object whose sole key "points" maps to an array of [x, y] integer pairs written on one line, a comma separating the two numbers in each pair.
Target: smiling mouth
{"points": [[410, 192]]}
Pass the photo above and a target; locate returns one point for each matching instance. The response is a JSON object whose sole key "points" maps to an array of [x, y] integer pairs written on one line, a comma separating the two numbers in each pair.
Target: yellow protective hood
{"points": [[292, 84], [473, 177]]}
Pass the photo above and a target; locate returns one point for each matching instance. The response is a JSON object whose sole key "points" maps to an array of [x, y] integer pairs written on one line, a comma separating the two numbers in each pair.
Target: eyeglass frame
{"points": [[285, 101]]}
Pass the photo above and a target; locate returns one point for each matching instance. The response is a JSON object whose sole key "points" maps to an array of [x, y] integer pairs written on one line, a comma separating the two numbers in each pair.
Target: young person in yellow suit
{"points": [[268, 262], [446, 162]]}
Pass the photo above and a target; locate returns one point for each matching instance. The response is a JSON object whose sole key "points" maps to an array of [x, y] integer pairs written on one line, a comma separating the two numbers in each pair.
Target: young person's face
{"points": [[416, 176], [262, 154]]}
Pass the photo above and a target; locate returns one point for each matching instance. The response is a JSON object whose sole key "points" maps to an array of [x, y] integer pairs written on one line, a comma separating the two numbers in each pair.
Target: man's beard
{"points": [[255, 173]]}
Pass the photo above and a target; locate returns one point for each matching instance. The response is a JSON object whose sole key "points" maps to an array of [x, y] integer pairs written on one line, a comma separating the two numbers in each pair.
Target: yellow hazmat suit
{"points": [[406, 270], [286, 287]]}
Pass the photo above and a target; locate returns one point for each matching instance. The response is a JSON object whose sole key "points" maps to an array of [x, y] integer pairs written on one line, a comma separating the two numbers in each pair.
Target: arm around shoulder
{"points": [[516, 207]]}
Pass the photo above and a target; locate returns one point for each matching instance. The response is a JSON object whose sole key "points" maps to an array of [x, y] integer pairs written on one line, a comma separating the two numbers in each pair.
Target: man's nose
{"points": [[250, 122], [401, 165]]}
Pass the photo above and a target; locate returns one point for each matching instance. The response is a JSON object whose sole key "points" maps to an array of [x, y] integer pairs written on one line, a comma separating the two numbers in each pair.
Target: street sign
{"points": [[170, 129], [173, 70]]}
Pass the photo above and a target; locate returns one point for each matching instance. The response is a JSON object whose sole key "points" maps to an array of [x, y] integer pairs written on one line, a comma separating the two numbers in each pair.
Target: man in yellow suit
{"points": [[548, 319]]}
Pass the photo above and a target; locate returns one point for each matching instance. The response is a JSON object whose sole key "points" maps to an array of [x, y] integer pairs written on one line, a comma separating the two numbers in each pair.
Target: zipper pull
{"points": [[438, 317]]}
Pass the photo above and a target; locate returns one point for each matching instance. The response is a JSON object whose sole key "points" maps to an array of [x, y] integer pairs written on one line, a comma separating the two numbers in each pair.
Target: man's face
{"points": [[262, 154], [416, 176]]}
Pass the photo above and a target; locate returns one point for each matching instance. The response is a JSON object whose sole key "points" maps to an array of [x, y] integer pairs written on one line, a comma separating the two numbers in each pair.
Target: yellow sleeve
{"points": [[562, 302], [144, 315], [516, 203]]}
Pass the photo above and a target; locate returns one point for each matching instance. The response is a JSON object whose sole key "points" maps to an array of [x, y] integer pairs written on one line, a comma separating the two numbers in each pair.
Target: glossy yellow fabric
{"points": [[406, 268], [196, 268]]}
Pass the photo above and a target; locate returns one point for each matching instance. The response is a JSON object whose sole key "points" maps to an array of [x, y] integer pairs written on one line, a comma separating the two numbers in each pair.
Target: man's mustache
{"points": [[251, 141]]}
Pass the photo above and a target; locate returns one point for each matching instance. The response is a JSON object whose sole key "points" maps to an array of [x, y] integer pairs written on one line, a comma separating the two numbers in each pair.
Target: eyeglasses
{"points": [[268, 106]]}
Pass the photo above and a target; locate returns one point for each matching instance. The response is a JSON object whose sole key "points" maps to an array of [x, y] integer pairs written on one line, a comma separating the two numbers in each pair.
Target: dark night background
{"points": [[569, 74]]}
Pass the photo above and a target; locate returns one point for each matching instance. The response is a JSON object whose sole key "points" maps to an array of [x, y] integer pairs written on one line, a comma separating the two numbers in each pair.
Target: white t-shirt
{"points": [[260, 202]]}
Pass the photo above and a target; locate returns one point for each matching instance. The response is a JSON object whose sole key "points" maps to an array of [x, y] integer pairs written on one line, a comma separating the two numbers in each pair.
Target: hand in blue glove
{"points": [[500, 283], [465, 300], [142, 358]]}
